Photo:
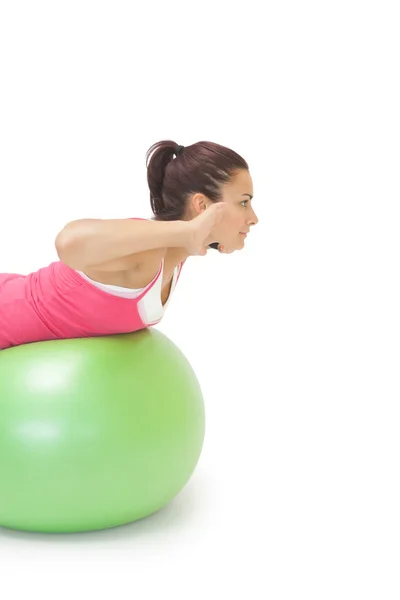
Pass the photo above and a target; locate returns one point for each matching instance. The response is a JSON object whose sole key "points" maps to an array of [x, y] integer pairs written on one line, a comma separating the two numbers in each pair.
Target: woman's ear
{"points": [[199, 203]]}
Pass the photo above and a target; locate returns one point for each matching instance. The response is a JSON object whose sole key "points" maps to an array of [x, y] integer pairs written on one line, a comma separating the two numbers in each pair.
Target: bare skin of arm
{"points": [[128, 251], [116, 244]]}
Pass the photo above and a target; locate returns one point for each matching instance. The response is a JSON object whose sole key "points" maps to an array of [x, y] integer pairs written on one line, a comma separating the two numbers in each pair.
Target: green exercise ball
{"points": [[95, 432]]}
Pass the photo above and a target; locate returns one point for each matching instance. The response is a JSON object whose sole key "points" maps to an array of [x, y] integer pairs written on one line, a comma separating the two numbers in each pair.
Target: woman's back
{"points": [[58, 302]]}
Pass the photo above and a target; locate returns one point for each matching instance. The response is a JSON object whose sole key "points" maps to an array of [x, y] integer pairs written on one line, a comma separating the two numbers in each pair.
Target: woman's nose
{"points": [[253, 220]]}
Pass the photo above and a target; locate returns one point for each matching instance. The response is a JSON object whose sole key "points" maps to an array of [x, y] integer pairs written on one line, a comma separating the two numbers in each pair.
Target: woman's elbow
{"points": [[69, 240]]}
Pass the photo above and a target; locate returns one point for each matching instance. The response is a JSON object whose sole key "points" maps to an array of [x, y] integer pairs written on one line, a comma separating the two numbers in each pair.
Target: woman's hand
{"points": [[203, 229]]}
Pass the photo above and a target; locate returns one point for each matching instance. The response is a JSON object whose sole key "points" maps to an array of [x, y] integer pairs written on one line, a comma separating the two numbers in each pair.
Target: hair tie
{"points": [[178, 150]]}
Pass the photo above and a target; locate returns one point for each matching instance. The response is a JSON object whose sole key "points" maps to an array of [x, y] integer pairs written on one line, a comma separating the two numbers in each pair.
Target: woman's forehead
{"points": [[241, 183]]}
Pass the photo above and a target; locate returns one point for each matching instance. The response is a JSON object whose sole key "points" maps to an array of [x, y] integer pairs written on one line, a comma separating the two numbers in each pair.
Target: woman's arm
{"points": [[92, 243]]}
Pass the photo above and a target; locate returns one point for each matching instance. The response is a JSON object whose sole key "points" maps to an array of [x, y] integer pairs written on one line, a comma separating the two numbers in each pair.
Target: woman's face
{"points": [[241, 217]]}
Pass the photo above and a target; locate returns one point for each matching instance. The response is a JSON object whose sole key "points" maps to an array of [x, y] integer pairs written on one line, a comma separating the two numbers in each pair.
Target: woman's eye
{"points": [[244, 203]]}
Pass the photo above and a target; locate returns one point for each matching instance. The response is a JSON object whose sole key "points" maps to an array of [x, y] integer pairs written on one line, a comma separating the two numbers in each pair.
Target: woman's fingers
{"points": [[224, 249]]}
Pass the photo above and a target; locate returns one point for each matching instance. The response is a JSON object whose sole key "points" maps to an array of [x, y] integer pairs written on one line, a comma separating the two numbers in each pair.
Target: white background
{"points": [[295, 340]]}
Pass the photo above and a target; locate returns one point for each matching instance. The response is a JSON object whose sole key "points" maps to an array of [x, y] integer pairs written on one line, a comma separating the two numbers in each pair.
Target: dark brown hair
{"points": [[200, 168]]}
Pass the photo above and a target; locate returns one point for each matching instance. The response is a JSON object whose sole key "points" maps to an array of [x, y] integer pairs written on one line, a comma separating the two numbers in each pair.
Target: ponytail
{"points": [[158, 157]]}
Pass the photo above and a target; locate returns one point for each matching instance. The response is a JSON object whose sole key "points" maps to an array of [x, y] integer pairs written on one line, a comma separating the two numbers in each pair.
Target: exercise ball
{"points": [[95, 432]]}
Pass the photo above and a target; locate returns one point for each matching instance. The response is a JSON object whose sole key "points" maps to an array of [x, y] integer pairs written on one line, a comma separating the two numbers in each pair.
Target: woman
{"points": [[118, 275]]}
